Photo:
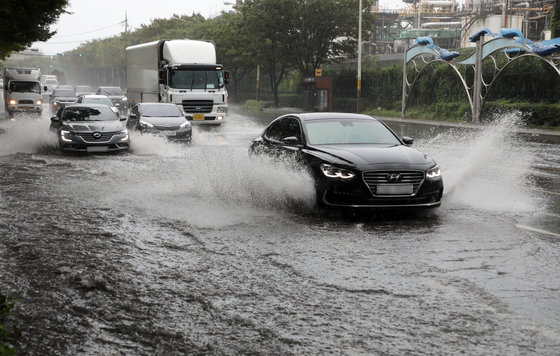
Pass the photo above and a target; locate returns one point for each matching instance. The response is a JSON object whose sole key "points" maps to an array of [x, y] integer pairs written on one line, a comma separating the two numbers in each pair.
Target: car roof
{"points": [[156, 104], [330, 115], [95, 96], [88, 105]]}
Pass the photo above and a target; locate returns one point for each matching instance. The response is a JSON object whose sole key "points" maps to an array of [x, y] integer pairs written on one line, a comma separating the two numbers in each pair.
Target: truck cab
{"points": [[22, 90], [199, 90], [183, 72]]}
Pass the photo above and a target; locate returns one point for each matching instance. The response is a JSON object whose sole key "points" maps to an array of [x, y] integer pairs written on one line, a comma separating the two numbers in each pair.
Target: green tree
{"points": [[27, 21], [264, 23], [301, 34], [231, 46], [317, 30]]}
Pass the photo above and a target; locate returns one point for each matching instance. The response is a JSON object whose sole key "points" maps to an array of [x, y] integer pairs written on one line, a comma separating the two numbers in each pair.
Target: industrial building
{"points": [[450, 23]]}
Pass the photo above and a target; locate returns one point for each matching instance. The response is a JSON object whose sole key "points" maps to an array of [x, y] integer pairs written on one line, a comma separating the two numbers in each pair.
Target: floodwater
{"points": [[196, 249]]}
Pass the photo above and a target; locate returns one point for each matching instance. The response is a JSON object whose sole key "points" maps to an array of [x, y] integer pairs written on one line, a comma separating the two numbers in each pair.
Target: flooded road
{"points": [[196, 249]]}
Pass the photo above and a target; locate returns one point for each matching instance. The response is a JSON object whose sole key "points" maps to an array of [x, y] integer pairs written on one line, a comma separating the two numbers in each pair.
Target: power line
{"points": [[85, 33]]}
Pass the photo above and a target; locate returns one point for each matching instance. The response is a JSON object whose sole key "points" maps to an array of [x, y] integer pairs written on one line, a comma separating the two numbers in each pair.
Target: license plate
{"points": [[98, 148], [167, 133], [198, 116], [26, 107], [394, 189]]}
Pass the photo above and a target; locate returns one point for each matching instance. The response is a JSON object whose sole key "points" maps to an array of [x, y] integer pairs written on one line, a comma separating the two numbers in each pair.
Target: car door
{"points": [[283, 138]]}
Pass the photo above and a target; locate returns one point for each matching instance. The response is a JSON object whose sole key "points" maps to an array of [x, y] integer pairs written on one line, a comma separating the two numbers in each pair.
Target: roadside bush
{"points": [[291, 100], [256, 106], [6, 337]]}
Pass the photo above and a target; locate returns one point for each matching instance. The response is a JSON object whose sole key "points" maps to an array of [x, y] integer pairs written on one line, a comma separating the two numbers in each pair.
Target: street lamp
{"points": [[359, 91]]}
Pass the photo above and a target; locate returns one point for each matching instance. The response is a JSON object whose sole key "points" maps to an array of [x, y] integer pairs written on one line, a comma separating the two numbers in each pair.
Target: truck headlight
{"points": [[39, 102], [222, 109], [12, 102]]}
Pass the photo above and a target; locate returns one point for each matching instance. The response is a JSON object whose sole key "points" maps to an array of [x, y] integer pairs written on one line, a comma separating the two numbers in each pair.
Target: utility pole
{"points": [[359, 89], [125, 23]]}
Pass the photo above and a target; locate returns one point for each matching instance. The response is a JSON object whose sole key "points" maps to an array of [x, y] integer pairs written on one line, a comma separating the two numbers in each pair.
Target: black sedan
{"points": [[162, 119], [61, 97], [356, 160], [90, 128]]}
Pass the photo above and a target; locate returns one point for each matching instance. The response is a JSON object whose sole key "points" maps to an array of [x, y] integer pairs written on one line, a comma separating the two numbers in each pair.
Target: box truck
{"points": [[22, 90], [183, 72]]}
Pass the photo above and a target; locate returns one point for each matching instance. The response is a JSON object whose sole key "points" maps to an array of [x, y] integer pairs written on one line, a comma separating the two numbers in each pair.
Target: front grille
{"points": [[375, 178], [25, 101], [166, 128], [197, 106], [105, 136]]}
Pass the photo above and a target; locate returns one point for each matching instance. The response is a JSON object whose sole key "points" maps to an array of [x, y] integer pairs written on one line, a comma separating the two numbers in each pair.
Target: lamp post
{"points": [[359, 88]]}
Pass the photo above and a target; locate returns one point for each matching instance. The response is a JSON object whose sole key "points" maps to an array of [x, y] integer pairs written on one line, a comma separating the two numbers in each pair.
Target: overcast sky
{"points": [[89, 20]]}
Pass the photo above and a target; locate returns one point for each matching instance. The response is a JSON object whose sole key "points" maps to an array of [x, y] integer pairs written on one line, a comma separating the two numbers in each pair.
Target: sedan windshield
{"points": [[160, 110], [104, 101], [63, 92], [341, 131], [111, 91], [89, 114]]}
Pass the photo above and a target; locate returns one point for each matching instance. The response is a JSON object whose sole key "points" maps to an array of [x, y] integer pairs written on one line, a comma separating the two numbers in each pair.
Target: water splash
{"points": [[25, 134], [487, 168]]}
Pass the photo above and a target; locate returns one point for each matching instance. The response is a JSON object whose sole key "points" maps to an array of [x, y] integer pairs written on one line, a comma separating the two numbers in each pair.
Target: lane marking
{"points": [[534, 229]]}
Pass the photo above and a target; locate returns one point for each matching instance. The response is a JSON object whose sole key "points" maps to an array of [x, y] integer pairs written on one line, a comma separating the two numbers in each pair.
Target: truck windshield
{"points": [[25, 87], [196, 79]]}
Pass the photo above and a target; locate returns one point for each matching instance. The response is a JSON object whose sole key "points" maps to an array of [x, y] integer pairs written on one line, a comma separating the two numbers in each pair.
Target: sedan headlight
{"points": [[55, 103], [144, 126], [336, 173], [65, 135], [185, 125], [124, 134], [433, 173]]}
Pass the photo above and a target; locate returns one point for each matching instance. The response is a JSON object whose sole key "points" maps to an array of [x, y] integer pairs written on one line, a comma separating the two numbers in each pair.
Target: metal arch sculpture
{"points": [[425, 50], [503, 43]]}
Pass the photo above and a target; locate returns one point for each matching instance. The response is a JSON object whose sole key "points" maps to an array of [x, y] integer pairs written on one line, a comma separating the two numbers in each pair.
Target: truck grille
{"points": [[375, 178], [105, 136], [197, 106], [25, 102]]}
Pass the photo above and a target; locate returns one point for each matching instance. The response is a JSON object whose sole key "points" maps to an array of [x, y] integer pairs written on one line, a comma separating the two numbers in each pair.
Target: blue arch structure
{"points": [[509, 43]]}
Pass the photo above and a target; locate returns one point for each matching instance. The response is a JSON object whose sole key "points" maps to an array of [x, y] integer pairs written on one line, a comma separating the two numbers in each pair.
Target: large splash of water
{"points": [[488, 168]]}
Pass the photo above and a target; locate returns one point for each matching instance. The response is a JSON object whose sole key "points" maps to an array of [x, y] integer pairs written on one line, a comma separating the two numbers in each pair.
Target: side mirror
{"points": [[162, 77], [45, 88], [291, 141], [407, 140], [55, 120], [226, 77], [132, 116]]}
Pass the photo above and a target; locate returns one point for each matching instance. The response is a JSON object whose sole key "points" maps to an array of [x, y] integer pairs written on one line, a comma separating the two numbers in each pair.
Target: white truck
{"points": [[183, 72], [49, 82], [22, 90]]}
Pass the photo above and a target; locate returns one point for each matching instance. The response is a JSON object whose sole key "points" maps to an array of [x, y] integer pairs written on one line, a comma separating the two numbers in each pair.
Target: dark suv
{"points": [[117, 96], [90, 128]]}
